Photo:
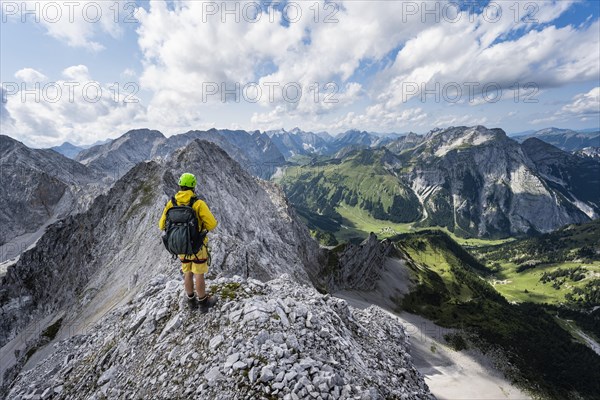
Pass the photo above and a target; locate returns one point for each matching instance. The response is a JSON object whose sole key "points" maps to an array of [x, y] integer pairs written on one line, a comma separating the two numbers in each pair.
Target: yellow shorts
{"points": [[192, 265]]}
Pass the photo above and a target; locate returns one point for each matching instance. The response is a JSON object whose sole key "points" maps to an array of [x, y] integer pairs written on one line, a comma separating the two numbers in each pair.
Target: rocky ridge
{"points": [[86, 263], [358, 266], [262, 341]]}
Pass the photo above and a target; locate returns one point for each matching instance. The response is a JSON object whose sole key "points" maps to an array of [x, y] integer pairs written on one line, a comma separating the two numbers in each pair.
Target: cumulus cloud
{"points": [[6, 120], [189, 52], [196, 53], [78, 109], [78, 73], [30, 75], [376, 117], [582, 107], [475, 55], [584, 104]]}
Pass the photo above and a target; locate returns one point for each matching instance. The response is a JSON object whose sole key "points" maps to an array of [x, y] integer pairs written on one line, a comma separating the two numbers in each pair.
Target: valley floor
{"points": [[450, 375]]}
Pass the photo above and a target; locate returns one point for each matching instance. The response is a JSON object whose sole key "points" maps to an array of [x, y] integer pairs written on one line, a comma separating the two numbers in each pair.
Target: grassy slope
{"points": [[450, 292], [360, 180]]}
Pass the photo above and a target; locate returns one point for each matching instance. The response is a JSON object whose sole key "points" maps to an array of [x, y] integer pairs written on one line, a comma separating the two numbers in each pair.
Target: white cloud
{"points": [[129, 73], [30, 75], [458, 120], [78, 73], [474, 54], [78, 109], [376, 117], [582, 107], [185, 51], [584, 104]]}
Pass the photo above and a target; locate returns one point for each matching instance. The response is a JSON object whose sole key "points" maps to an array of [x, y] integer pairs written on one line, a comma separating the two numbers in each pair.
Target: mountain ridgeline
{"points": [[91, 261], [254, 151], [565, 139], [474, 181]]}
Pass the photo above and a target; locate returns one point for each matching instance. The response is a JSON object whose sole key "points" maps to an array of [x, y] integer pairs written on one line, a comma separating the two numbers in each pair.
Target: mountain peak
{"points": [[143, 133], [462, 137]]}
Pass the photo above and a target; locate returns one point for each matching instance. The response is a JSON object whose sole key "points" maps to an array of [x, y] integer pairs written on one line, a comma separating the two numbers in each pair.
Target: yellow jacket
{"points": [[205, 217]]}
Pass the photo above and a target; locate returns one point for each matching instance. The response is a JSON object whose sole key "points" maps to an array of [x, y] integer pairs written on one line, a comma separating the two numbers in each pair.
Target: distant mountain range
{"points": [[71, 151], [564, 139], [300, 143], [297, 142], [472, 180]]}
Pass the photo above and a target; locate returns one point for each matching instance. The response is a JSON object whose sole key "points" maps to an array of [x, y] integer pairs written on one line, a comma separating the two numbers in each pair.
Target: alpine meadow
{"points": [[312, 199]]}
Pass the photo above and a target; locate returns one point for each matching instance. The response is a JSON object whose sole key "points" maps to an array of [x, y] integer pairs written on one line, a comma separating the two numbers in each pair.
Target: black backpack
{"points": [[183, 235]]}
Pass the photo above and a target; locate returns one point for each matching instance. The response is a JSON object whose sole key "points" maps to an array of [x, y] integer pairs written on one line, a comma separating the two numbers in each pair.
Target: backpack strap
{"points": [[173, 201], [193, 200]]}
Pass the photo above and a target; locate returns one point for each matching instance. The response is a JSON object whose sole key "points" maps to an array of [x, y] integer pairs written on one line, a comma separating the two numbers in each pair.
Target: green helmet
{"points": [[187, 180]]}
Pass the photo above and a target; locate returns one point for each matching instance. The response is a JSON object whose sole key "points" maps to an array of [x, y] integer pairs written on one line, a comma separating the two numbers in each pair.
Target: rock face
{"points": [[357, 266], [118, 156], [298, 142], [254, 151], [576, 178], [39, 186], [98, 258], [405, 142], [589, 152], [477, 181], [262, 341]]}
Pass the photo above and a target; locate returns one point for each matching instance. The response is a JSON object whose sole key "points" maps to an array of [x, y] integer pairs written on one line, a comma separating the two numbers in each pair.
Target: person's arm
{"points": [[208, 220], [163, 219]]}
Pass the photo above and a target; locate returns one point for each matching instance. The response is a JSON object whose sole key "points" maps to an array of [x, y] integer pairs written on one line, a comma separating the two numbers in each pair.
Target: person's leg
{"points": [[188, 283], [204, 299], [200, 286]]}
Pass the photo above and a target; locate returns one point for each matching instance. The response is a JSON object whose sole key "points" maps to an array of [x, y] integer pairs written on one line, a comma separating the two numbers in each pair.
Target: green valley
{"points": [[556, 268], [364, 179]]}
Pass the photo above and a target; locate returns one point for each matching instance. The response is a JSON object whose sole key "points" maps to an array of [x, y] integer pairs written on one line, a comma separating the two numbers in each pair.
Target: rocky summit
{"points": [[270, 340]]}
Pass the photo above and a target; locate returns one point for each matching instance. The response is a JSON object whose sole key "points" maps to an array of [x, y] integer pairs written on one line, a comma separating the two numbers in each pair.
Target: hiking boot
{"points": [[206, 303], [192, 302]]}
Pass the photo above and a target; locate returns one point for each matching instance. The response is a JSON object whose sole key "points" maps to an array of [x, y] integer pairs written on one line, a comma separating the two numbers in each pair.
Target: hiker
{"points": [[194, 263]]}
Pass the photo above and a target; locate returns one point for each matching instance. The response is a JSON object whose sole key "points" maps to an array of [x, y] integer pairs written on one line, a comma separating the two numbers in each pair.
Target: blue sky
{"points": [[385, 66]]}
